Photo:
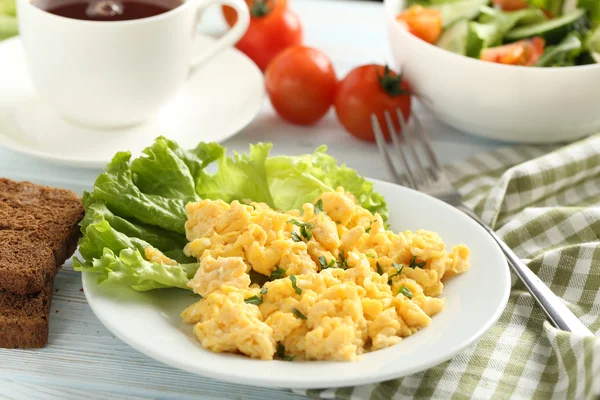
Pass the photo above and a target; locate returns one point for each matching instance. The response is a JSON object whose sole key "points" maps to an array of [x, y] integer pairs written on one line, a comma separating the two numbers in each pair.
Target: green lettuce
{"points": [[563, 54], [140, 203], [593, 9], [243, 177], [592, 41], [461, 10], [298, 180], [555, 7]]}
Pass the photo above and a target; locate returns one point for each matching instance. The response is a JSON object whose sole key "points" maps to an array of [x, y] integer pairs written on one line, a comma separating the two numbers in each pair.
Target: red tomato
{"points": [[422, 22], [301, 84], [511, 5], [523, 52], [260, 7], [371, 89], [273, 28]]}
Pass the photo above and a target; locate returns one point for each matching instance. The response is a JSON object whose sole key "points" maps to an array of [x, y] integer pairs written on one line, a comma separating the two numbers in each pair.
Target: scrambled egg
{"points": [[340, 283]]}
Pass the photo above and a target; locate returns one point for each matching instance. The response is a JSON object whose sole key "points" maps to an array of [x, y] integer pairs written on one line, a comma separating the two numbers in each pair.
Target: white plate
{"points": [[150, 321], [215, 104]]}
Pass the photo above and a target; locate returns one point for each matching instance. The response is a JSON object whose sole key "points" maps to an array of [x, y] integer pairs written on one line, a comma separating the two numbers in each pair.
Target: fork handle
{"points": [[558, 314]]}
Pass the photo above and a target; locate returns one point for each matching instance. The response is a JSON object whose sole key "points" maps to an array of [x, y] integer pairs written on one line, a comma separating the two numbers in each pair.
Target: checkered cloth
{"points": [[545, 203]]}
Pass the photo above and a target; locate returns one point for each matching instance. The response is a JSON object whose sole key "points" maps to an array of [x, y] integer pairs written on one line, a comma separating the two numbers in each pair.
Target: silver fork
{"points": [[430, 178]]}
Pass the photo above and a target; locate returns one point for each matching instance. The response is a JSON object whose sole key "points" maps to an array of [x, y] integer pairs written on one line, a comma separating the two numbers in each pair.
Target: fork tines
{"points": [[411, 144]]}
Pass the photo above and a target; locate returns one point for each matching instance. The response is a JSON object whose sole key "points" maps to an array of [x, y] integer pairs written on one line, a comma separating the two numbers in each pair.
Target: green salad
{"points": [[542, 33], [141, 202]]}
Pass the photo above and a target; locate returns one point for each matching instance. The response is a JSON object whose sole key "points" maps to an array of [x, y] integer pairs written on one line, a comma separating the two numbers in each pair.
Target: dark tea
{"points": [[109, 10]]}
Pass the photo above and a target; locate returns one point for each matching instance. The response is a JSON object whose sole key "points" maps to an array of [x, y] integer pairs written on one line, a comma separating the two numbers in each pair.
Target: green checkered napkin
{"points": [[545, 203]]}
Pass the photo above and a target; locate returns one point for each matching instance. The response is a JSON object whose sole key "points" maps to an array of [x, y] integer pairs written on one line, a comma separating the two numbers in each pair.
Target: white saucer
{"points": [[215, 104]]}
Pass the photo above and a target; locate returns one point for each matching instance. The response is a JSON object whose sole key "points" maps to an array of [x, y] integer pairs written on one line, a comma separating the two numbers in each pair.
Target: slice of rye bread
{"points": [[25, 265], [24, 318], [35, 217]]}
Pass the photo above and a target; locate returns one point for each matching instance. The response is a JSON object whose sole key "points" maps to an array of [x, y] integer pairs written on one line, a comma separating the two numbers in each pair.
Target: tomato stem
{"points": [[391, 84], [260, 8]]}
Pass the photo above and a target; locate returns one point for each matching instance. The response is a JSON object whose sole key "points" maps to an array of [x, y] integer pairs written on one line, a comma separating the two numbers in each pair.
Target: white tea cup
{"points": [[110, 74]]}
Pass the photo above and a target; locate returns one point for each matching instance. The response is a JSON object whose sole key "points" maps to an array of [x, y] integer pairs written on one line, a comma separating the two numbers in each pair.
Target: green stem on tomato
{"points": [[391, 84], [260, 8]]}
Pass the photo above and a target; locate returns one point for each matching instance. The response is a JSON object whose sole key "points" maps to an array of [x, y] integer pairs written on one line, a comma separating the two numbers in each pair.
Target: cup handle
{"points": [[228, 39]]}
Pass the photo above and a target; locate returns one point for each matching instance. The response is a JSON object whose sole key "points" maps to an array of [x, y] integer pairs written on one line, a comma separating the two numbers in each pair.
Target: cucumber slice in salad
{"points": [[454, 39], [550, 30], [453, 12]]}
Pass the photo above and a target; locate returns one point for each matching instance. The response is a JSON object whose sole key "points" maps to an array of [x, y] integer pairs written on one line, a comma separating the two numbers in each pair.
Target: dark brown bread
{"points": [[25, 265], [38, 232], [46, 214], [24, 319], [33, 219]]}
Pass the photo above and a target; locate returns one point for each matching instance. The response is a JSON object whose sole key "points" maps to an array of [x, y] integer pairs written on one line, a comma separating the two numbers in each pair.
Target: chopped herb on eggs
{"points": [[256, 300], [398, 268], [323, 263], [319, 206], [294, 284], [298, 313], [281, 353], [414, 264], [305, 229], [379, 269], [405, 291], [277, 274], [342, 263]]}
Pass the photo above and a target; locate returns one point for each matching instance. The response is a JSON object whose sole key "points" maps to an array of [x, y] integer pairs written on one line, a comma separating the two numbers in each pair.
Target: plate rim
{"points": [[86, 163], [291, 383]]}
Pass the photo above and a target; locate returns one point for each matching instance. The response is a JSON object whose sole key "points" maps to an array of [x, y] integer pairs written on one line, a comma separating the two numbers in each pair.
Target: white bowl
{"points": [[508, 103]]}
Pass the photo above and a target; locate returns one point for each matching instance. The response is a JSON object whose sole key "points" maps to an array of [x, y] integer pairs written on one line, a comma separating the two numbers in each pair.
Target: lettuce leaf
{"points": [[592, 41], [140, 203], [117, 257], [298, 180], [167, 241], [555, 7], [563, 54], [128, 267], [243, 177], [593, 9], [456, 11]]}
